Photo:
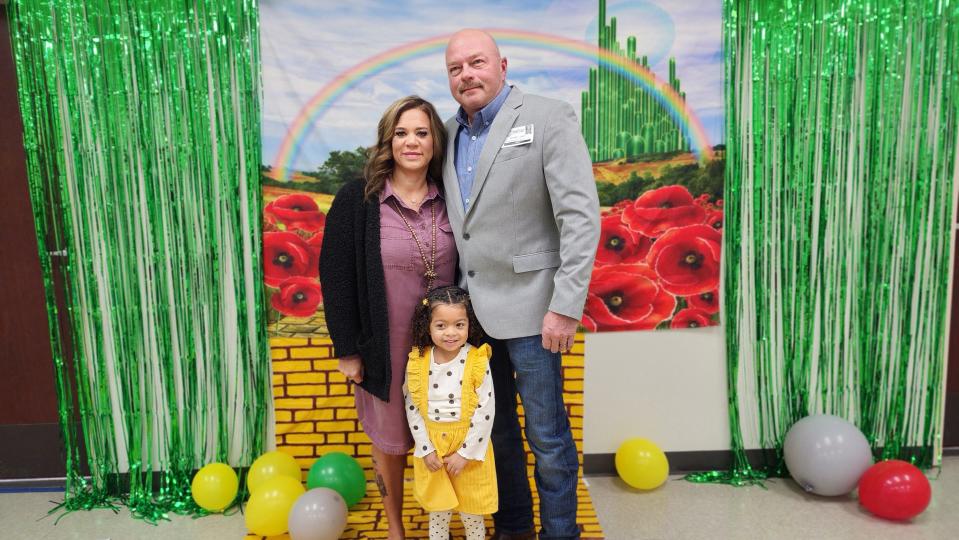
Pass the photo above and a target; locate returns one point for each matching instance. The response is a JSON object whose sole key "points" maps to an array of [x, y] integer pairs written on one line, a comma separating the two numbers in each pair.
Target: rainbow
{"points": [[321, 102]]}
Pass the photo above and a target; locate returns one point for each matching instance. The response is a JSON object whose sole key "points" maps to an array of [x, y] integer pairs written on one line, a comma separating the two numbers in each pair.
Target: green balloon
{"points": [[340, 473]]}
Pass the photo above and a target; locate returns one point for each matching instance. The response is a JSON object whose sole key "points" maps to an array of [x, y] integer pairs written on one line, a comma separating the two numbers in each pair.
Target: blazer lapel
{"points": [[454, 200], [497, 134]]}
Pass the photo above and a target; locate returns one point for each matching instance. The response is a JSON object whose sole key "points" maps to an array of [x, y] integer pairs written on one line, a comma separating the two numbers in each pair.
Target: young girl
{"points": [[449, 405]]}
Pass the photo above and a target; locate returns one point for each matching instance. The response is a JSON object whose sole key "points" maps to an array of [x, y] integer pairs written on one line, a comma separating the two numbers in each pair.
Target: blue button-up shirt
{"points": [[470, 139]]}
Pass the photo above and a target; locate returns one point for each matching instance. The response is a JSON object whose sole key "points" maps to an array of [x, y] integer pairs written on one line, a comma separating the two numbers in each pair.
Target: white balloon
{"points": [[826, 455], [319, 514]]}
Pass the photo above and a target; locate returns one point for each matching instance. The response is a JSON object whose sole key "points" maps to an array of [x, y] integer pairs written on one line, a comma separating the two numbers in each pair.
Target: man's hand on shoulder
{"points": [[558, 332]]}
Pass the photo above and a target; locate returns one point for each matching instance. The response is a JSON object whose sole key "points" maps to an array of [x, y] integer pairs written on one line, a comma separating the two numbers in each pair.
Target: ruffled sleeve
{"points": [[414, 377], [413, 396], [481, 423]]}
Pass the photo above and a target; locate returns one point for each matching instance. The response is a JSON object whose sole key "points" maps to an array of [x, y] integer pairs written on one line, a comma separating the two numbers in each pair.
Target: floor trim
{"points": [[697, 461], [593, 465]]}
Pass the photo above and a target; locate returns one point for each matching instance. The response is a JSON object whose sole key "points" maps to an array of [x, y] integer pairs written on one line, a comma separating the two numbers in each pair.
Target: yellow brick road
{"points": [[315, 415]]}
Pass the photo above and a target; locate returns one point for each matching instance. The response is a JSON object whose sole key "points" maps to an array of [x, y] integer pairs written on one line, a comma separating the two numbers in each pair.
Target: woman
{"points": [[387, 242]]}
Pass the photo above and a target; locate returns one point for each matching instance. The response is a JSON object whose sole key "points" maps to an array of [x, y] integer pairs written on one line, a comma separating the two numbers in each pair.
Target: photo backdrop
{"points": [[646, 78]]}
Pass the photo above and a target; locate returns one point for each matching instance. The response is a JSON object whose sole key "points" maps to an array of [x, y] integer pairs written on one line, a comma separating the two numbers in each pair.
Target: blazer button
{"points": [[466, 236], [471, 273]]}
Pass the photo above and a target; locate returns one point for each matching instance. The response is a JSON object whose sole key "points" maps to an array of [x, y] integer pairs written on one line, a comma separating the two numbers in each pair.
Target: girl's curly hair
{"points": [[423, 314]]}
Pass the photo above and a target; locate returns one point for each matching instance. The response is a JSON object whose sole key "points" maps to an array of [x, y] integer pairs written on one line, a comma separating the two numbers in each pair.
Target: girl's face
{"points": [[449, 327]]}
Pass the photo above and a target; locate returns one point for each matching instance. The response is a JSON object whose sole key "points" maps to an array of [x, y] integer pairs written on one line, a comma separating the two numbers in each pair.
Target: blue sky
{"points": [[306, 43]]}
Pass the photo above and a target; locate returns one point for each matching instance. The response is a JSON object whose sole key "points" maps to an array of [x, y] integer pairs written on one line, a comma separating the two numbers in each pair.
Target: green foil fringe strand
{"points": [[840, 195], [142, 133]]}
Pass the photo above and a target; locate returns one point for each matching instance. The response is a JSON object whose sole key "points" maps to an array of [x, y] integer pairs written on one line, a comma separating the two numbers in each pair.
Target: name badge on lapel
{"points": [[519, 136]]}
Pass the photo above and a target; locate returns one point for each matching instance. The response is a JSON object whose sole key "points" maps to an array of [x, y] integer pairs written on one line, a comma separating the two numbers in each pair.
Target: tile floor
{"points": [[678, 510]]}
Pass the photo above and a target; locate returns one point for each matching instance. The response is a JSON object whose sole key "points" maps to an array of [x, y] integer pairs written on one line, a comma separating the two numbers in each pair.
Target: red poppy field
{"points": [[657, 263], [293, 224], [658, 260]]}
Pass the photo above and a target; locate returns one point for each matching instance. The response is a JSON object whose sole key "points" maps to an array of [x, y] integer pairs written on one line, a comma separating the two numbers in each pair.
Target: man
{"points": [[525, 216]]}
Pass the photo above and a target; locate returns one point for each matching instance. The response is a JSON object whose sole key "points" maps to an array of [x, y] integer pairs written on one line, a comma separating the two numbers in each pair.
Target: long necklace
{"points": [[430, 264]]}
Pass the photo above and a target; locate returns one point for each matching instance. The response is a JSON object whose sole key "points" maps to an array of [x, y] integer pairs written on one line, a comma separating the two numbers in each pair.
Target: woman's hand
{"points": [[433, 462], [352, 367], [455, 463]]}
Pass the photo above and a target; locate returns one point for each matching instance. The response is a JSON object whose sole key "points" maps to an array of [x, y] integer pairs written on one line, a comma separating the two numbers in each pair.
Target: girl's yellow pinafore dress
{"points": [[473, 491]]}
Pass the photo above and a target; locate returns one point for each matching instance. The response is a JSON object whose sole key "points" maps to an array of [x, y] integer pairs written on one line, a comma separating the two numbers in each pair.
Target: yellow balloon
{"points": [[641, 464], [271, 465], [269, 506], [214, 487]]}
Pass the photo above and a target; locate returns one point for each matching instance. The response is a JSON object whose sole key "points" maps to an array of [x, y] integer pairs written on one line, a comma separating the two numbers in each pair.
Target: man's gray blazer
{"points": [[528, 239]]}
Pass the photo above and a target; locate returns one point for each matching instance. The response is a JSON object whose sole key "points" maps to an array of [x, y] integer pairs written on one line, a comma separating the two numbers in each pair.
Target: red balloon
{"points": [[895, 490]]}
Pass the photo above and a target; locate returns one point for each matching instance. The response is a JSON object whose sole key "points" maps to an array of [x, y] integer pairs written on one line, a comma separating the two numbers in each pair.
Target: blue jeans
{"points": [[538, 379]]}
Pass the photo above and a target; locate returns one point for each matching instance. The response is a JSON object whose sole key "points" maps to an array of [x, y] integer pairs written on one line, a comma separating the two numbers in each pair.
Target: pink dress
{"points": [[403, 268]]}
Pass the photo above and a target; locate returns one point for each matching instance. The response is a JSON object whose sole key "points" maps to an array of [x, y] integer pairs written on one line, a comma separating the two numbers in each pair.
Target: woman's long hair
{"points": [[380, 165]]}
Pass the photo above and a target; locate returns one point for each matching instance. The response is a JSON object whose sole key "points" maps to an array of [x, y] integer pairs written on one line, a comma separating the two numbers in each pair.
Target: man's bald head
{"points": [[476, 70], [475, 36]]}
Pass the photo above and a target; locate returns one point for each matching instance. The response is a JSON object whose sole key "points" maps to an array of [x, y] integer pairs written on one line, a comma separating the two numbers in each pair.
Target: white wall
{"points": [[667, 386]]}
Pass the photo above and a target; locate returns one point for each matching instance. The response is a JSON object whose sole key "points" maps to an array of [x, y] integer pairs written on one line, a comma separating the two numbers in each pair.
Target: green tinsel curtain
{"points": [[840, 196], [142, 132]]}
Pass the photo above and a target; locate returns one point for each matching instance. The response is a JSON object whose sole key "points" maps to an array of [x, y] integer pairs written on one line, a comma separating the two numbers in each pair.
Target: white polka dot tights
{"points": [[440, 525]]}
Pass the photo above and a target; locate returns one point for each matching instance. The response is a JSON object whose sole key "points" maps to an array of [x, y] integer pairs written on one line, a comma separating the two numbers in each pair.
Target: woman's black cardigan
{"points": [[354, 290]]}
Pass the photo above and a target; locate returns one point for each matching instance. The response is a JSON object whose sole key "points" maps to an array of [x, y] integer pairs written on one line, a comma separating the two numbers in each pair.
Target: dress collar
{"points": [[431, 192]]}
